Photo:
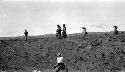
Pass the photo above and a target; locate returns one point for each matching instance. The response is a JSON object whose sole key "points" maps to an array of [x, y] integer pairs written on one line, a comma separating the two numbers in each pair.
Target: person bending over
{"points": [[60, 63]]}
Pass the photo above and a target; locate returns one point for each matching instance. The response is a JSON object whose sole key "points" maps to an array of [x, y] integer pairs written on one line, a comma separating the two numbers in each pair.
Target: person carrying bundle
{"points": [[26, 34]]}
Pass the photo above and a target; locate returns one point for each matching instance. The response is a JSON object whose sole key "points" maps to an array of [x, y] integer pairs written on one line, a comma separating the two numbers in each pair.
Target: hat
{"points": [[64, 24], [83, 28], [115, 26], [59, 54]]}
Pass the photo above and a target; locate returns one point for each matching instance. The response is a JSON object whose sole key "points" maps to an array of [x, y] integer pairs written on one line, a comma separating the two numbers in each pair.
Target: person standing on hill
{"points": [[60, 63], [58, 32], [84, 31], [115, 31], [64, 31], [26, 34]]}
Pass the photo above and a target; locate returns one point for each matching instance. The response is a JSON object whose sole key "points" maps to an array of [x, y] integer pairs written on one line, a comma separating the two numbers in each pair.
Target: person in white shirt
{"points": [[59, 58], [60, 63]]}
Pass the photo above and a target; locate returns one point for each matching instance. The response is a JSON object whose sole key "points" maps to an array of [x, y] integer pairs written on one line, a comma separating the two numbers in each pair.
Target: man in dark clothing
{"points": [[26, 34], [64, 31], [58, 32]]}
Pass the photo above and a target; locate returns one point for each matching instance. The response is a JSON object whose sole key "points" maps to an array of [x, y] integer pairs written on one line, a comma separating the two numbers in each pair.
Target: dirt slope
{"points": [[91, 53]]}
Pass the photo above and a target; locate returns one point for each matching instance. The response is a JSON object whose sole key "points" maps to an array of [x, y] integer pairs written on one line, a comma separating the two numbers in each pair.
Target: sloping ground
{"points": [[91, 53]]}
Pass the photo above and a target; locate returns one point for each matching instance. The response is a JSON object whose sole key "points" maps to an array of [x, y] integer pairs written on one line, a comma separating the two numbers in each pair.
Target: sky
{"points": [[41, 17]]}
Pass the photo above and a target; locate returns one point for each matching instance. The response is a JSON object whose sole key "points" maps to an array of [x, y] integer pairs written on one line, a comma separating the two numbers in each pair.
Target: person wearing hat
{"points": [[60, 63], [58, 31]]}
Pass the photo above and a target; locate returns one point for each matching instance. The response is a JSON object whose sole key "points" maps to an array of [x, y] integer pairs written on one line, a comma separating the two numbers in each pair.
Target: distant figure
{"points": [[84, 31], [64, 31], [58, 32], [115, 30], [122, 32], [26, 34], [60, 65]]}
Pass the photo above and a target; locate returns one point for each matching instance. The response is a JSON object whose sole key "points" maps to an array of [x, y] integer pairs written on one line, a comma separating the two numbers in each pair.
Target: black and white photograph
{"points": [[62, 35]]}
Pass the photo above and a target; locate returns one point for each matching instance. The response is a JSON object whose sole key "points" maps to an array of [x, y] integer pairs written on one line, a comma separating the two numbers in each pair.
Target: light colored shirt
{"points": [[59, 59]]}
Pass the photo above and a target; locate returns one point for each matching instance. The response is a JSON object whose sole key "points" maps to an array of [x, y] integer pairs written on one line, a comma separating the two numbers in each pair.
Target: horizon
{"points": [[40, 17], [55, 34]]}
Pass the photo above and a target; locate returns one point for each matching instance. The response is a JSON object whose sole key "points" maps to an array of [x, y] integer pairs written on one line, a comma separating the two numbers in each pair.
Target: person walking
{"points": [[26, 34]]}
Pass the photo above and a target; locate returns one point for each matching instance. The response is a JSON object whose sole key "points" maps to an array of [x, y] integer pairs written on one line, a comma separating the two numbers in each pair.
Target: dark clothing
{"points": [[58, 32], [84, 31], [115, 31], [25, 38], [26, 35], [64, 32], [61, 66]]}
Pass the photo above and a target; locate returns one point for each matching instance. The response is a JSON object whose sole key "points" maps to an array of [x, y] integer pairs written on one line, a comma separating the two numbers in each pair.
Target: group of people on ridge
{"points": [[58, 31], [62, 33]]}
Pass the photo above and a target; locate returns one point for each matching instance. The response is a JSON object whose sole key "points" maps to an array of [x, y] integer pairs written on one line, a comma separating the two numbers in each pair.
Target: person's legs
{"points": [[59, 34], [64, 34], [62, 66], [56, 34], [25, 37], [57, 66]]}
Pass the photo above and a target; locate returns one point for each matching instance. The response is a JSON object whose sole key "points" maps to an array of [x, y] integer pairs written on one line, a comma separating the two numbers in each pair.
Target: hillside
{"points": [[92, 53]]}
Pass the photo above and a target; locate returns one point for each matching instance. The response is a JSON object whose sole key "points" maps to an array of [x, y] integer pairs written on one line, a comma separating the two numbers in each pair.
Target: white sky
{"points": [[41, 16]]}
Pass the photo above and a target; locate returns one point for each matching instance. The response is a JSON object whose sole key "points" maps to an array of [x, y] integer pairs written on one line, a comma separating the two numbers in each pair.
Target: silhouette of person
{"points": [[64, 31], [58, 32], [84, 31], [115, 31], [26, 34]]}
